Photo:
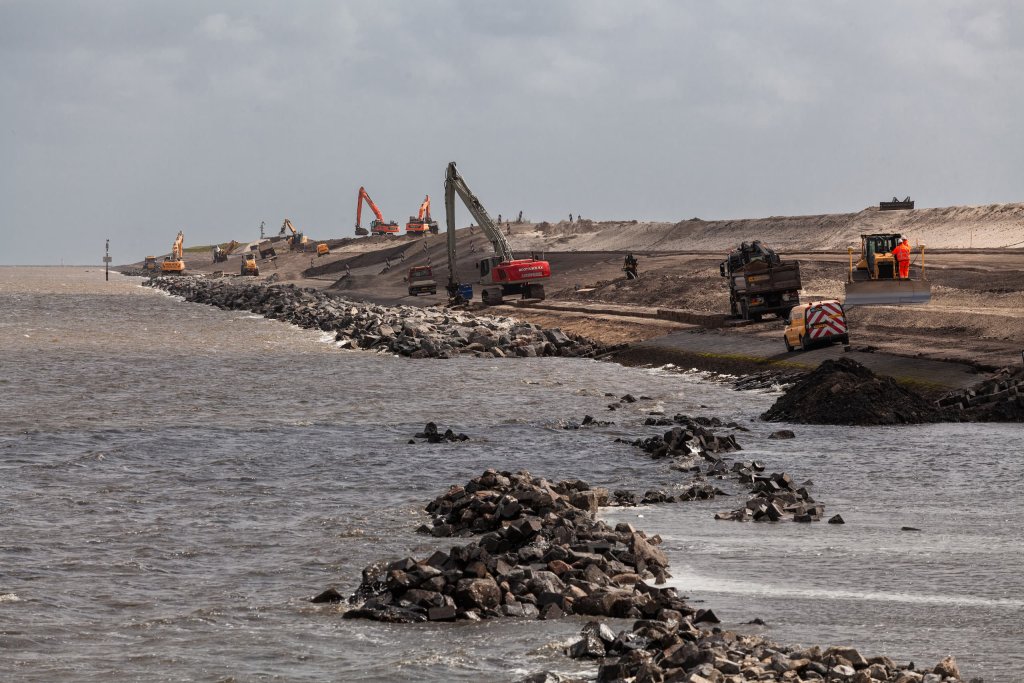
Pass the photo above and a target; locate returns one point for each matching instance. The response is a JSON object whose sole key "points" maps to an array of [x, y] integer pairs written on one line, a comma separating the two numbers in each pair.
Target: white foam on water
{"points": [[695, 583]]}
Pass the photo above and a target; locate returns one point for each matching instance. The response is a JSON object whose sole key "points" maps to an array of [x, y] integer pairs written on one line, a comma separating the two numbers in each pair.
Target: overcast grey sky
{"points": [[131, 120]]}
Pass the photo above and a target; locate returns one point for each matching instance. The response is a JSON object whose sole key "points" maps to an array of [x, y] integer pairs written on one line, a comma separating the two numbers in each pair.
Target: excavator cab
{"points": [[874, 278]]}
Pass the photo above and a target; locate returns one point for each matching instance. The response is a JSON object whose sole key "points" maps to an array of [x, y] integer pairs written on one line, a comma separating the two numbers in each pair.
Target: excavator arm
{"points": [[176, 248], [364, 196], [288, 224], [454, 184], [425, 209]]}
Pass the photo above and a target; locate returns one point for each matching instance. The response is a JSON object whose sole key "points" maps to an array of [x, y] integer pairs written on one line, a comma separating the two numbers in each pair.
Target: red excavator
{"points": [[501, 275], [421, 223], [377, 225]]}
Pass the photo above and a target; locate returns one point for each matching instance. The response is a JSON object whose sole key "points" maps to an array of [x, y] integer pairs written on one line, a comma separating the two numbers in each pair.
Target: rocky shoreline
{"points": [[403, 330]]}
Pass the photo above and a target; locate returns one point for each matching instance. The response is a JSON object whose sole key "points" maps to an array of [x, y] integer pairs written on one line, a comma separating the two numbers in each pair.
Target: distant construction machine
{"points": [[502, 274], [296, 241], [221, 254], [421, 223], [896, 204], [249, 266], [377, 226], [150, 263], [175, 263], [874, 278]]}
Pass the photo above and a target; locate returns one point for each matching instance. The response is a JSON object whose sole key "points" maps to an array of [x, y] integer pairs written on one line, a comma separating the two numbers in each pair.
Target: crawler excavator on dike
{"points": [[377, 226], [502, 274], [297, 241], [421, 223], [175, 263]]}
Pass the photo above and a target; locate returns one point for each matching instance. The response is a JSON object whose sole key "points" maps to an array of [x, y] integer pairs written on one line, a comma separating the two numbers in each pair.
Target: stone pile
{"points": [[692, 437], [844, 392], [541, 554], [678, 650], [999, 398], [403, 330], [772, 498]]}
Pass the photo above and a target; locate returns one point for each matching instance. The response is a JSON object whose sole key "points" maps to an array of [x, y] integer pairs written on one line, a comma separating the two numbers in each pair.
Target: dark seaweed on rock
{"points": [[844, 392]]}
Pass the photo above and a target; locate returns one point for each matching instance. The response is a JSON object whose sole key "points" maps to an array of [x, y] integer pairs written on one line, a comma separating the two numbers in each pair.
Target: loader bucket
{"points": [[887, 292], [362, 231]]}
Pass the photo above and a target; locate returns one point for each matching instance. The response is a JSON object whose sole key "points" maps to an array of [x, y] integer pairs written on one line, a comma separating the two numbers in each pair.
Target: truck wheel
{"points": [[804, 344], [789, 347]]}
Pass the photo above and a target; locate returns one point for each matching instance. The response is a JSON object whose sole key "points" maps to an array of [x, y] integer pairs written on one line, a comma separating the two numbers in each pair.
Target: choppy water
{"points": [[177, 480]]}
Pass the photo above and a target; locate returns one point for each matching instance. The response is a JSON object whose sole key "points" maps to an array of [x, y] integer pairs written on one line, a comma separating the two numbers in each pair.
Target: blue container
{"points": [[466, 292]]}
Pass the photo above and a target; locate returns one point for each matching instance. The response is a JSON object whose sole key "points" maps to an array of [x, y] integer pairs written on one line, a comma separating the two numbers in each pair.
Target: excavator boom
{"points": [[175, 263], [502, 273], [421, 223], [378, 226]]}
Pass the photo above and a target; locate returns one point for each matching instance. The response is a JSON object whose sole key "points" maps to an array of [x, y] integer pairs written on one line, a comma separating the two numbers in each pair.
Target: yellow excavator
{"points": [[874, 278], [297, 241], [175, 263]]}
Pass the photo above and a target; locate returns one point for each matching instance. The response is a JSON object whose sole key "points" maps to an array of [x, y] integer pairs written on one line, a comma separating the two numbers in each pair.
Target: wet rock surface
{"points": [[541, 554], [1000, 398], [844, 392], [433, 434], [664, 650], [404, 330]]}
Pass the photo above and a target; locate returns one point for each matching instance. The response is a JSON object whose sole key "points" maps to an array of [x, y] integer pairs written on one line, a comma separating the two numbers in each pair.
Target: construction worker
{"points": [[902, 255]]}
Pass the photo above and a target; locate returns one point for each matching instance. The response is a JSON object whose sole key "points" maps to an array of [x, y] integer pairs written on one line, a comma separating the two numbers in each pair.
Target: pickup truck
{"points": [[421, 281]]}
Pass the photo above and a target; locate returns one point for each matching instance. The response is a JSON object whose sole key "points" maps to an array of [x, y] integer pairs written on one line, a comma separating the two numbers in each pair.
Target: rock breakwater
{"points": [[541, 554], [667, 650], [404, 330]]}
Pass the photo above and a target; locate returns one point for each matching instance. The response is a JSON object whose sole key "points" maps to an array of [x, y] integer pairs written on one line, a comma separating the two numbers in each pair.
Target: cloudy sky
{"points": [[131, 119]]}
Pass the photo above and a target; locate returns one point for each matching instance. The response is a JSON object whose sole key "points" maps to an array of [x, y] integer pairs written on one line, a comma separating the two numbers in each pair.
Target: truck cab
{"points": [[421, 281]]}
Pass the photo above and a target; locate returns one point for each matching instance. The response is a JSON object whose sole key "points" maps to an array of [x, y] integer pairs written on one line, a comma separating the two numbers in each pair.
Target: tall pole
{"points": [[106, 260]]}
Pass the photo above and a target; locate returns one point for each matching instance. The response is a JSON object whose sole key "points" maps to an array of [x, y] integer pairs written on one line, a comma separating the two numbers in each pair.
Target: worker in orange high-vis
{"points": [[902, 255]]}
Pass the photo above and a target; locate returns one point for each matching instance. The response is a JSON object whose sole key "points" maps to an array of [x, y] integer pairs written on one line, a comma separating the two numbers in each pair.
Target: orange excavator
{"points": [[377, 225], [175, 263], [421, 223]]}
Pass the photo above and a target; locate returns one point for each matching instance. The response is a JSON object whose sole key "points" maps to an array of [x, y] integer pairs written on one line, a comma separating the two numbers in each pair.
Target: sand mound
{"points": [[844, 392]]}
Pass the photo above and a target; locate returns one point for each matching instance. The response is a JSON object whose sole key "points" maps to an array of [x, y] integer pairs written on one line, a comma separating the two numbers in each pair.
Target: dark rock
{"points": [[836, 519], [329, 595], [782, 434]]}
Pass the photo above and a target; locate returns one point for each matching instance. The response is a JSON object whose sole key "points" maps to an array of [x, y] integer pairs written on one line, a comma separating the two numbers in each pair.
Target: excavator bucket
{"points": [[887, 292], [362, 232]]}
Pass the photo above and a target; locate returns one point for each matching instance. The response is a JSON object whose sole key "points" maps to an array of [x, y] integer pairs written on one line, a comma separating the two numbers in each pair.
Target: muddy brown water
{"points": [[177, 481]]}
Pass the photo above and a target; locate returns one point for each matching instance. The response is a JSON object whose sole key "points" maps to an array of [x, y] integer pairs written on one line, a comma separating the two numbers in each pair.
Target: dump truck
{"points": [[760, 282], [421, 281]]}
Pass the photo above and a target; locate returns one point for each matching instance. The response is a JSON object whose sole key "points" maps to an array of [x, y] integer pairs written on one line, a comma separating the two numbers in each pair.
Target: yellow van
{"points": [[814, 323]]}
